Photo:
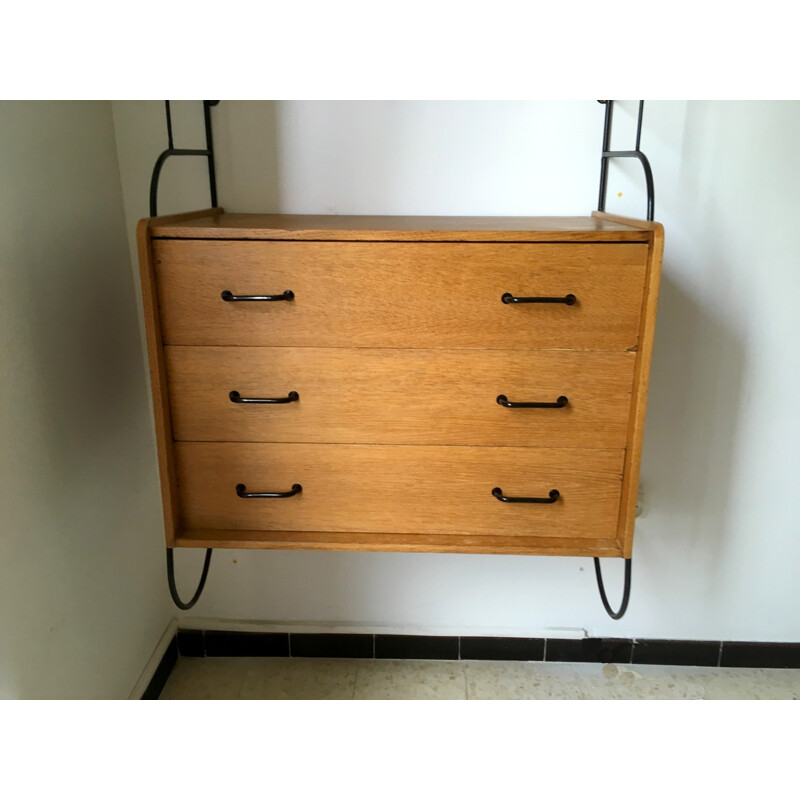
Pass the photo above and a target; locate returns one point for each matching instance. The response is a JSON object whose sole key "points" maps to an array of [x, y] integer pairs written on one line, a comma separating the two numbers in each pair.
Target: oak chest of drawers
{"points": [[473, 385]]}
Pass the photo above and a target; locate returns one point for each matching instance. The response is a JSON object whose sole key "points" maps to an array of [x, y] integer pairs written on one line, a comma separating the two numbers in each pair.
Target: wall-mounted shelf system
{"points": [[417, 384]]}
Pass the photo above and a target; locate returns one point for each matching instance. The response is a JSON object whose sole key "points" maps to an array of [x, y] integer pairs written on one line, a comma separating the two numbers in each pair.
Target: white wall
{"points": [[82, 598], [717, 549]]}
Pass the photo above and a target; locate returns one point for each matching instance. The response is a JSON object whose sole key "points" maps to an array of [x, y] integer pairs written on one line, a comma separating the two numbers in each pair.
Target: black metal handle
{"points": [[504, 401], [498, 493], [237, 398], [569, 299], [241, 490], [229, 297]]}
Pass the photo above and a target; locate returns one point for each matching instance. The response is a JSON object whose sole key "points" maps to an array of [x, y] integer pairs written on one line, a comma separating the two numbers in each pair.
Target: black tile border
{"points": [[766, 655], [332, 645], [603, 651], [440, 648], [676, 652], [240, 643], [494, 648], [163, 671], [193, 643]]}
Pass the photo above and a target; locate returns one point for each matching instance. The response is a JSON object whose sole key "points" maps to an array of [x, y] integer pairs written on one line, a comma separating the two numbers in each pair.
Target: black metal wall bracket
{"points": [[171, 580], [601, 206], [626, 592], [635, 153], [174, 151], [212, 183]]}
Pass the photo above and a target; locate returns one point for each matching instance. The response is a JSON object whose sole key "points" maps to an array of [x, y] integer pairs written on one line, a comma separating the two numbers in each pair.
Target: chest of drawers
{"points": [[472, 385]]}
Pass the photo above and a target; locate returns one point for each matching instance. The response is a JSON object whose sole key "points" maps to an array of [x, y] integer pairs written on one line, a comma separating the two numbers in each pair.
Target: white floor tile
{"points": [[301, 679], [385, 679]]}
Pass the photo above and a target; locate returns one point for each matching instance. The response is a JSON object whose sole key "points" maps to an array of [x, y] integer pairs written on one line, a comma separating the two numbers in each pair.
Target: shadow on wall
{"points": [[692, 441], [246, 149], [245, 155], [79, 494], [692, 419]]}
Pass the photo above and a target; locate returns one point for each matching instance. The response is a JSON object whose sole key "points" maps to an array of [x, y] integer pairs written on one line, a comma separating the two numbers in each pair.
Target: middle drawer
{"points": [[394, 396]]}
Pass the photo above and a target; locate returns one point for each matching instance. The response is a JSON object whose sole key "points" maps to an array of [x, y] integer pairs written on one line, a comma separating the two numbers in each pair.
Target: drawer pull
{"points": [[237, 398], [241, 490], [569, 299], [229, 297], [498, 493], [504, 401]]}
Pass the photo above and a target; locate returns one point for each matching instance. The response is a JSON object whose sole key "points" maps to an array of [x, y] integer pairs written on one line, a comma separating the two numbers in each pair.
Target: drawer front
{"points": [[395, 396], [388, 294], [400, 489]]}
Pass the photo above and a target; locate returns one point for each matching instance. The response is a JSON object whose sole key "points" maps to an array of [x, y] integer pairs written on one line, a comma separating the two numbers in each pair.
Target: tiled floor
{"points": [[379, 679]]}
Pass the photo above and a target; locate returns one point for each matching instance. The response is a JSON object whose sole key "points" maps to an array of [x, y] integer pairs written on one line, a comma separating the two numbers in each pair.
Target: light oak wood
{"points": [[217, 225], [156, 364], [366, 294], [391, 396], [632, 222], [185, 218], [401, 295], [399, 542], [633, 456], [400, 489], [158, 382]]}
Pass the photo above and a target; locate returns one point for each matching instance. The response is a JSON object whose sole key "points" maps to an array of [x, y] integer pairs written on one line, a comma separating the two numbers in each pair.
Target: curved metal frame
{"points": [[171, 580], [601, 206], [212, 183], [636, 153], [626, 592], [174, 151]]}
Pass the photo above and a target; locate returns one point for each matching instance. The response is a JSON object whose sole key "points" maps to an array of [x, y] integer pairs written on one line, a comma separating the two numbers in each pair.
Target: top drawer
{"points": [[389, 294]]}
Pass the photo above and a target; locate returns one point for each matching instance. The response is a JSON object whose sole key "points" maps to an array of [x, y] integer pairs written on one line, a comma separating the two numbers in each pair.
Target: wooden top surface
{"points": [[215, 224]]}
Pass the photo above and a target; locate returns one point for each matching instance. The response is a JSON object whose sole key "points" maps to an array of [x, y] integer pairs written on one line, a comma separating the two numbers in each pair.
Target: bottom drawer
{"points": [[400, 489]]}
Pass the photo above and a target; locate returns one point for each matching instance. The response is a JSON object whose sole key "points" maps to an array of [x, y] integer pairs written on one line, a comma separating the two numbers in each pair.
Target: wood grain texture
{"points": [[401, 295], [632, 222], [374, 289], [158, 383], [633, 455], [186, 218], [216, 225], [398, 542], [400, 489], [391, 396]]}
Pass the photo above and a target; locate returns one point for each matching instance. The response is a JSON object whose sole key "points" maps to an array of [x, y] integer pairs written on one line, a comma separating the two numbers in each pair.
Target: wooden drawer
{"points": [[399, 489], [389, 294], [396, 396]]}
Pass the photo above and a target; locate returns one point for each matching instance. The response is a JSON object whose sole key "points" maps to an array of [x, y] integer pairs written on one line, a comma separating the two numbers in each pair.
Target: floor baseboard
{"points": [[194, 643], [200, 643], [164, 654]]}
